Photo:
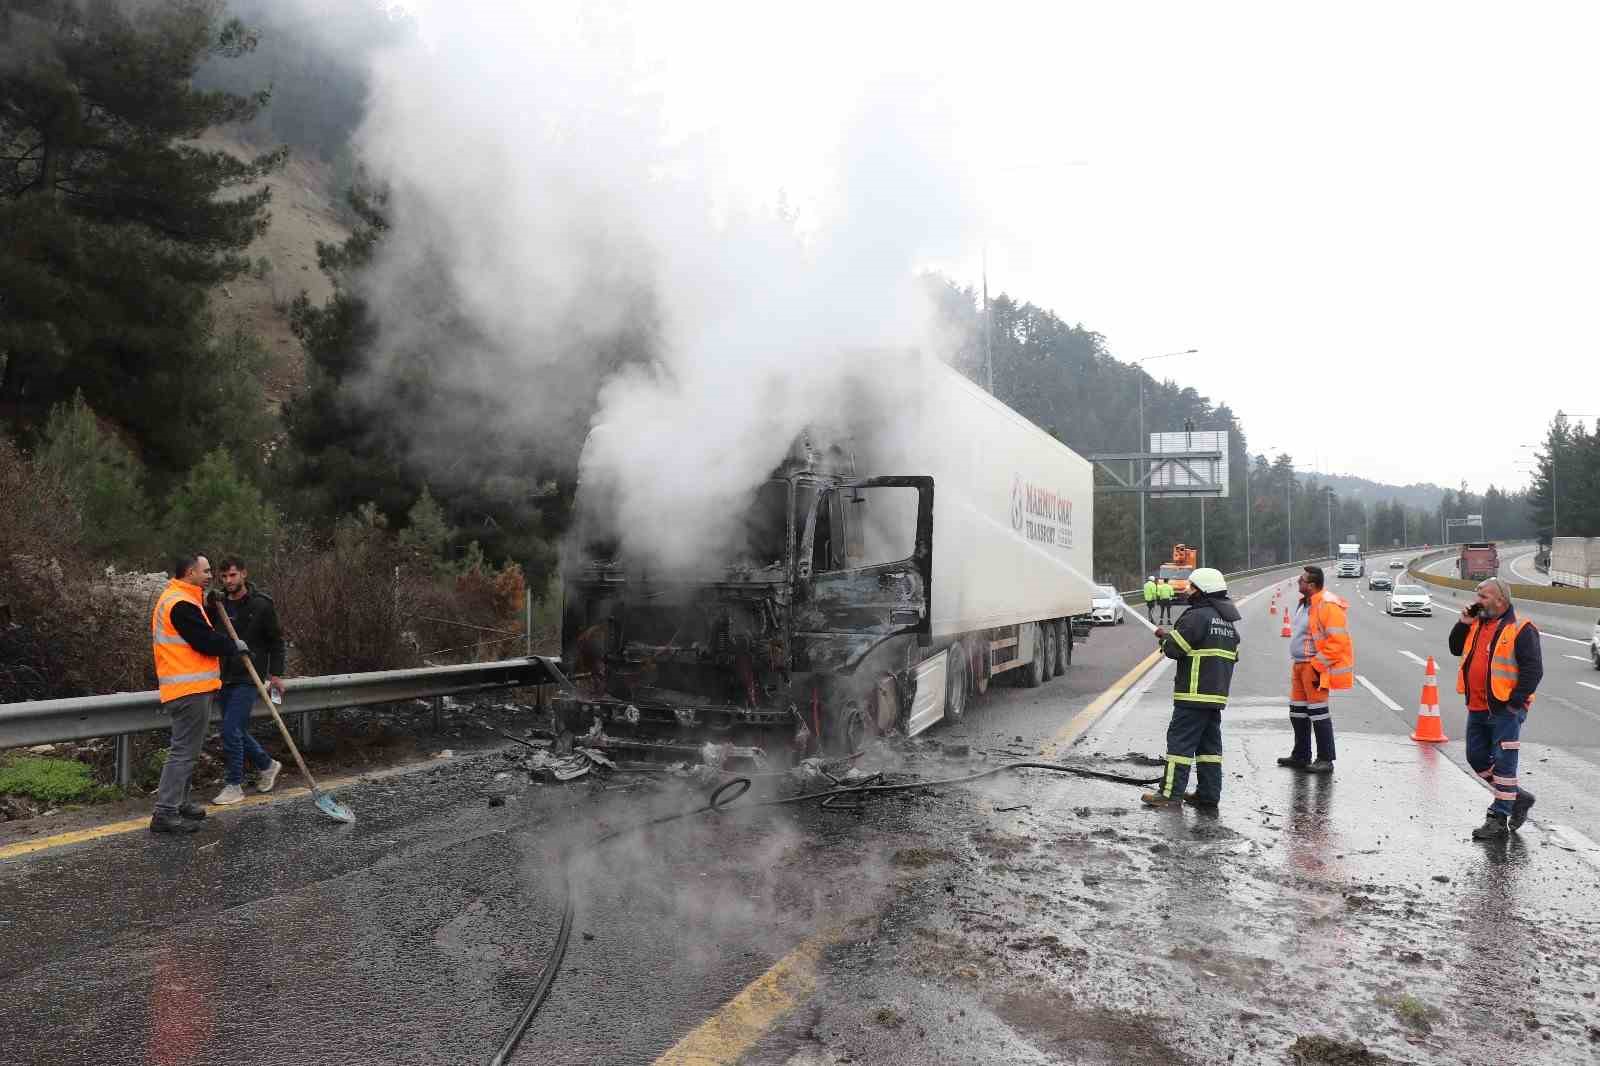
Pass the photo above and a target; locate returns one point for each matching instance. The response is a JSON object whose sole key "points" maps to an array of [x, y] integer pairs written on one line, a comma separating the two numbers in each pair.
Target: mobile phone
{"points": [[1474, 608]]}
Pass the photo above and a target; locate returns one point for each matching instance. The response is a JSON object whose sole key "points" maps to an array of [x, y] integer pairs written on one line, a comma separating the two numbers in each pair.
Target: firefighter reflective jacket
{"points": [[1329, 632], [1206, 646], [1150, 592], [1165, 591], [1516, 664], [180, 669]]}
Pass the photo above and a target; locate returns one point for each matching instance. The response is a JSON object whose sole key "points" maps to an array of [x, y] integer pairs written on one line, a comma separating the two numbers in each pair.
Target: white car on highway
{"points": [[1107, 607], [1397, 564], [1409, 599]]}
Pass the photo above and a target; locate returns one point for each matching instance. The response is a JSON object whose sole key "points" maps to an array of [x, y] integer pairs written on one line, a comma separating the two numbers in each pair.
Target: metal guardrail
{"points": [[122, 714], [1129, 596]]}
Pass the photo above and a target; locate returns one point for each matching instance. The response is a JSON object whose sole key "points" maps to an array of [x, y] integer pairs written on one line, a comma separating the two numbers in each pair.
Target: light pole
{"points": [[1247, 508], [1144, 445], [1329, 491]]}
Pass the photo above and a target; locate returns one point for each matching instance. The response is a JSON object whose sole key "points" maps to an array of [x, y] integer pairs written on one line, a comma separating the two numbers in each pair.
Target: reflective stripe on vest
{"points": [[1503, 672], [180, 669]]}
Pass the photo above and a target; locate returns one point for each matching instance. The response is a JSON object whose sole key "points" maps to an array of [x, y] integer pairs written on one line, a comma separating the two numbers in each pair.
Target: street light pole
{"points": [[1330, 522], [1247, 509], [1144, 445]]}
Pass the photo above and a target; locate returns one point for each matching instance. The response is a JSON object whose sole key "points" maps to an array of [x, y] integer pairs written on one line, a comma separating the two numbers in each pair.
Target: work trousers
{"points": [[237, 743], [190, 715], [1194, 739], [1150, 609], [1166, 610], [1308, 714], [1493, 746]]}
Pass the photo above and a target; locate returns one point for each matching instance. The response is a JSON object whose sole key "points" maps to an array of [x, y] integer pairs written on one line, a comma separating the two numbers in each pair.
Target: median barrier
{"points": [[1535, 593]]}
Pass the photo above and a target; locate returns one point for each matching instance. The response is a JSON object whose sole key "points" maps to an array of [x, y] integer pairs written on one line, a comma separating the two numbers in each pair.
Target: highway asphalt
{"points": [[1040, 919]]}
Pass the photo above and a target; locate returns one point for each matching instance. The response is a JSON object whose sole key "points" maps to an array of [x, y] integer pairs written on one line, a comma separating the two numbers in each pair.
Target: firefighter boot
{"points": [[1159, 800], [1493, 828], [1519, 808]]}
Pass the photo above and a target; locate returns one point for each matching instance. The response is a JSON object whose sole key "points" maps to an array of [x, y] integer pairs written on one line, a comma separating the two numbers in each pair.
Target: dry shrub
{"points": [[65, 629], [341, 604], [471, 617]]}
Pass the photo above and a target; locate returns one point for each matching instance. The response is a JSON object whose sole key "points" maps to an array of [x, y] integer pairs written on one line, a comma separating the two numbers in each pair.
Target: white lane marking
{"points": [[1571, 840], [1558, 636], [1586, 684], [1577, 658], [1413, 656], [1376, 691], [1414, 625]]}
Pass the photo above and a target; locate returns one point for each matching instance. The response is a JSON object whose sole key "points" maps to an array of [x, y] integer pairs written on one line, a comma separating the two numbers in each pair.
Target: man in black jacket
{"points": [[1502, 664], [255, 619], [1205, 644]]}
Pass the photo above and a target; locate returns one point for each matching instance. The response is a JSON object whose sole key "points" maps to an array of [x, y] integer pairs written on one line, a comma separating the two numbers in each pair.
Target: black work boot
{"points": [[171, 823], [1321, 766], [193, 811], [1193, 799], [1293, 763], [1493, 828], [1519, 808]]}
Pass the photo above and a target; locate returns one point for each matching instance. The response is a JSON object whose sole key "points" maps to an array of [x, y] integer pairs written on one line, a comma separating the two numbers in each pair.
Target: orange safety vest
{"points": [[1328, 629], [1503, 671], [180, 670]]}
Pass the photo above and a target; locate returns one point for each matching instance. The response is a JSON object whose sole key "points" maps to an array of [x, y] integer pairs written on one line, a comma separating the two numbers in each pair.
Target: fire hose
{"points": [[719, 799]]}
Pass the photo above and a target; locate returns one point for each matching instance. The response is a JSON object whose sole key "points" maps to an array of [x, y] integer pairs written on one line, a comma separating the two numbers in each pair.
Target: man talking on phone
{"points": [[1502, 664]]}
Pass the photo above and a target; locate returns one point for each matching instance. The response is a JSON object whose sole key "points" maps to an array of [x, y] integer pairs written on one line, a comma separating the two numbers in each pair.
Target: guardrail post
{"points": [[438, 714], [124, 755], [305, 727]]}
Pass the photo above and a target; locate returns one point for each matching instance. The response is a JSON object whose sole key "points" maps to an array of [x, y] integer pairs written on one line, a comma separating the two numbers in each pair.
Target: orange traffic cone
{"points": [[1286, 623], [1430, 727]]}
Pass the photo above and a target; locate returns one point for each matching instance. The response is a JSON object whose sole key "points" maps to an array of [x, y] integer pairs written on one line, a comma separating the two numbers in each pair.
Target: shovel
{"points": [[324, 800]]}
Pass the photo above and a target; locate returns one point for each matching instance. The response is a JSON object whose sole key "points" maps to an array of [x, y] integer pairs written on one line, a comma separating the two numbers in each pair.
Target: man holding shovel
{"points": [[255, 619], [188, 654]]}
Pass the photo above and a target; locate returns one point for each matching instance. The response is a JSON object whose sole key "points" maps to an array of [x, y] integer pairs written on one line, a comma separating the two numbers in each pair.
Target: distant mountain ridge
{"points": [[1352, 487]]}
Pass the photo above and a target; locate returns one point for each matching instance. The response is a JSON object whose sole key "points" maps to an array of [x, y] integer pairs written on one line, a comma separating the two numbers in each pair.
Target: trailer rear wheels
{"points": [[978, 657], [1050, 636], [955, 690], [1064, 642], [1033, 675]]}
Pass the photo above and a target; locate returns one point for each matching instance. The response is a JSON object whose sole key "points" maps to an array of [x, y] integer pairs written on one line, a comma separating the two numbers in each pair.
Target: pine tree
{"points": [[113, 223]]}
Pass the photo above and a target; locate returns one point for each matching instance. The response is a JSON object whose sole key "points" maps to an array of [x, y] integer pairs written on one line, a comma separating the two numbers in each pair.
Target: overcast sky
{"points": [[1378, 222]]}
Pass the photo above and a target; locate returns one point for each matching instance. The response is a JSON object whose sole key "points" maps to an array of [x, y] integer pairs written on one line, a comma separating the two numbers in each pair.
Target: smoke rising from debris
{"points": [[582, 250]]}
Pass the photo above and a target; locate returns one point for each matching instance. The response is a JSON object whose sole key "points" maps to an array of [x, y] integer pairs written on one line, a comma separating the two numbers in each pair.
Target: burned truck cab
{"points": [[783, 644]]}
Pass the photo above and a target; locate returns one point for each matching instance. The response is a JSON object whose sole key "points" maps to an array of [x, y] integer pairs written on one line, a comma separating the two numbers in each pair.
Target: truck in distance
{"points": [[890, 567], [1575, 562], [1176, 572], [1477, 561], [1350, 562]]}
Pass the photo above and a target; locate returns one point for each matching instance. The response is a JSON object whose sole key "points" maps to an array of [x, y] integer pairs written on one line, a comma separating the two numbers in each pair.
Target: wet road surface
{"points": [[1027, 919]]}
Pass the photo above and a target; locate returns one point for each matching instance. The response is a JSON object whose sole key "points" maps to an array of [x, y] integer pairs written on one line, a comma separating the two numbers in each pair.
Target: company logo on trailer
{"points": [[1041, 514]]}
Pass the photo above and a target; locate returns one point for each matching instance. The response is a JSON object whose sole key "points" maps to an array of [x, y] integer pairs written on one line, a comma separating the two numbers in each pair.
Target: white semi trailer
{"points": [[919, 542], [1575, 562]]}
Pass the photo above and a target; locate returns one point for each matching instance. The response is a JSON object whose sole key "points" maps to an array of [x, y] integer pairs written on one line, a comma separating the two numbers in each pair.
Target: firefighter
{"points": [[1164, 594], [1206, 645], [1150, 594], [1321, 658]]}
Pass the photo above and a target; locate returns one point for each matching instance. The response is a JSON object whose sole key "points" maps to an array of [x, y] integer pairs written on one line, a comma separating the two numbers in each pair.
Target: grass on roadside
{"points": [[51, 781]]}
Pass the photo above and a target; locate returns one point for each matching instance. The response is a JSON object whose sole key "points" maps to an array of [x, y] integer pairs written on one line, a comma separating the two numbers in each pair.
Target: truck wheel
{"points": [[979, 658], [1064, 656], [1052, 647], [848, 730], [955, 686], [1032, 675]]}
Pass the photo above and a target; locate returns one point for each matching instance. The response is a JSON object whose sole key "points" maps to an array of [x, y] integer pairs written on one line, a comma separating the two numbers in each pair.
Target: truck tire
{"points": [[1032, 675], [955, 682], [1064, 656], [978, 656], [1052, 647], [847, 732]]}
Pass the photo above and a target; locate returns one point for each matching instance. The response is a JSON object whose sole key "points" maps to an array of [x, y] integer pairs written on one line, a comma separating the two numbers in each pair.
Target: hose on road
{"points": [[719, 800]]}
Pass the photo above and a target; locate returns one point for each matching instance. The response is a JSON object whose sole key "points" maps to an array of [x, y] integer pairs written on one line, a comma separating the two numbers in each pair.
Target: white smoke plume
{"points": [[533, 173]]}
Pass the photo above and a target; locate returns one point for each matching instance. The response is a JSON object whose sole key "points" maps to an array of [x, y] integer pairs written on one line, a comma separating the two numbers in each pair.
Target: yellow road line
{"points": [[1080, 722], [745, 1019], [110, 829]]}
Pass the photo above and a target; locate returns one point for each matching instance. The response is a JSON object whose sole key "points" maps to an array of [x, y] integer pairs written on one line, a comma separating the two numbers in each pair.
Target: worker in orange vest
{"points": [[1502, 663], [1321, 658], [188, 655]]}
